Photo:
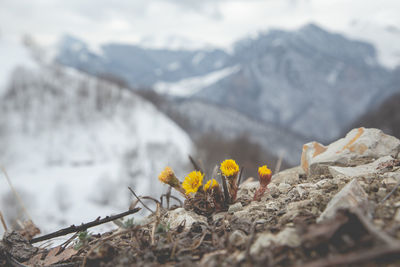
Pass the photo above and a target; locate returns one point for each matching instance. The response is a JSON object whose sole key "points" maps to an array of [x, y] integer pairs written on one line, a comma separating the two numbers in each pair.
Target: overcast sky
{"points": [[202, 21]]}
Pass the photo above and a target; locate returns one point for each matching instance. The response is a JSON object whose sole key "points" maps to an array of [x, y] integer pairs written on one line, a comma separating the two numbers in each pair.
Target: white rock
{"points": [[381, 192], [324, 183], [175, 218], [237, 238], [358, 143], [352, 195], [397, 216], [235, 207], [391, 178], [289, 176], [272, 206], [288, 237], [248, 188], [306, 187], [361, 170], [284, 188], [253, 185]]}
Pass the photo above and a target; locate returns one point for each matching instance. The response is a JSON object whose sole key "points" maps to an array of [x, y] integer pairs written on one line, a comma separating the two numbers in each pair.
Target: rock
{"points": [[298, 204], [175, 218], [352, 195], [324, 183], [381, 192], [272, 206], [397, 216], [288, 237], [361, 170], [237, 238], [17, 246], [235, 207], [289, 176], [391, 178], [213, 258], [248, 188], [241, 213], [273, 190], [218, 216], [284, 188], [358, 144], [397, 204], [303, 189]]}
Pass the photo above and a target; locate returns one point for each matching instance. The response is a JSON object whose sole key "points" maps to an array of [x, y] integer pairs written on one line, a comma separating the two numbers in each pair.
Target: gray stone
{"points": [[273, 190], [248, 188], [324, 183], [175, 218], [352, 195], [237, 238], [381, 192], [235, 207], [241, 213], [298, 204], [289, 176], [284, 188], [272, 206], [361, 170], [397, 216], [358, 144], [288, 237], [303, 189], [218, 216]]}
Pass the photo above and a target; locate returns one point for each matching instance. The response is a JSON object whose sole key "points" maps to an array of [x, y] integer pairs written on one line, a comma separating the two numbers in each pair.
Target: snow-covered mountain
{"points": [[72, 144], [310, 81], [140, 66]]}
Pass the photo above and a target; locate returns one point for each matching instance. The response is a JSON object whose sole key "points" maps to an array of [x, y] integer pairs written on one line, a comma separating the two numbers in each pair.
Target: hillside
{"points": [[81, 139]]}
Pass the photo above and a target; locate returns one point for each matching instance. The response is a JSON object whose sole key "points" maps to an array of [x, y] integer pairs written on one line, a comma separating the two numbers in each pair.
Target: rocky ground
{"points": [[341, 206]]}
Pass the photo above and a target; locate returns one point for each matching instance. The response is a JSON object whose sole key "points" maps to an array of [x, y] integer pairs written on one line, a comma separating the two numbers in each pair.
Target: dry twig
{"points": [[195, 165], [390, 193], [83, 227], [3, 222], [141, 202]]}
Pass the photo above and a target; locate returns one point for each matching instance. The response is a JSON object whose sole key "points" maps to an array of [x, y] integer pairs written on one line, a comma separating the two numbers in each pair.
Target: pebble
{"points": [[235, 207]]}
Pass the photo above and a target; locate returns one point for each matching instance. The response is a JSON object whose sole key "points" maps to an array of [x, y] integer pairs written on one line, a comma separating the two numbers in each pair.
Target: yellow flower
{"points": [[264, 171], [167, 176], [229, 168], [265, 175], [192, 182], [211, 184]]}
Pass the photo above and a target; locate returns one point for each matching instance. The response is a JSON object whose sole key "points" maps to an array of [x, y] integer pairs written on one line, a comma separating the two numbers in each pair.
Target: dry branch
{"points": [[83, 227]]}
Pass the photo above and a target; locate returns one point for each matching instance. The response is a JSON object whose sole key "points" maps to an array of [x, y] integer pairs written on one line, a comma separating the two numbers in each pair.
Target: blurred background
{"points": [[99, 95]]}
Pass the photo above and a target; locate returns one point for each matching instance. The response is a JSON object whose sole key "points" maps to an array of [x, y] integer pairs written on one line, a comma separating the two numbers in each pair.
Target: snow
{"points": [[72, 144], [12, 55], [189, 86]]}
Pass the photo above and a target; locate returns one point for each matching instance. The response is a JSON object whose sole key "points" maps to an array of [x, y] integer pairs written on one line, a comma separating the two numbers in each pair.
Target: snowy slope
{"points": [[190, 86], [72, 144], [12, 55]]}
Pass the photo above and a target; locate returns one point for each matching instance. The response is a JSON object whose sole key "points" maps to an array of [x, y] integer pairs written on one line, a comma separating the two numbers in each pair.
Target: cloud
{"points": [[218, 22]]}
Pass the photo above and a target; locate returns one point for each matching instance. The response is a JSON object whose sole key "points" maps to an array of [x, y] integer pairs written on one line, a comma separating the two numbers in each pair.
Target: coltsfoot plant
{"points": [[210, 197]]}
